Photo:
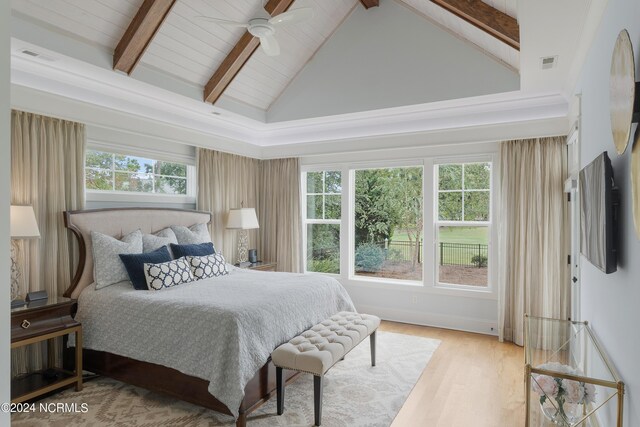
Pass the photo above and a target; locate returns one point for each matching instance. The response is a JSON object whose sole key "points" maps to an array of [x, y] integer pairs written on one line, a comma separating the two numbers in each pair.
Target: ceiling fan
{"points": [[265, 27]]}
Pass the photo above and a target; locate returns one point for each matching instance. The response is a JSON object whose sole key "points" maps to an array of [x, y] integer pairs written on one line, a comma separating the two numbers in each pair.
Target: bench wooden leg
{"points": [[372, 340], [317, 398], [280, 389]]}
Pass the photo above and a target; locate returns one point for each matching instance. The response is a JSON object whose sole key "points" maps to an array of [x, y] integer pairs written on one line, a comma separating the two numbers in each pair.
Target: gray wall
{"points": [[5, 185], [389, 56], [610, 302]]}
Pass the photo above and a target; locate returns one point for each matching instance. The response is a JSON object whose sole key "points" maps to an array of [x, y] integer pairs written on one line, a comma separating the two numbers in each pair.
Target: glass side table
{"points": [[569, 378]]}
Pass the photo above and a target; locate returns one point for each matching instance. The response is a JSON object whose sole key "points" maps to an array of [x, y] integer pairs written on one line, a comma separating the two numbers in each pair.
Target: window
{"points": [[322, 221], [109, 172], [463, 223], [388, 223]]}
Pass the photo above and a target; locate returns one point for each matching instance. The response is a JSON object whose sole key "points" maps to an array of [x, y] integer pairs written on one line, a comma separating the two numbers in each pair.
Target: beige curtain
{"points": [[272, 187], [534, 234], [224, 182], [279, 211], [47, 172]]}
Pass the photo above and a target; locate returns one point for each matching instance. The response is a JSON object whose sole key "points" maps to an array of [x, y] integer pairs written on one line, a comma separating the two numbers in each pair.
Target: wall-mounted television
{"points": [[599, 214]]}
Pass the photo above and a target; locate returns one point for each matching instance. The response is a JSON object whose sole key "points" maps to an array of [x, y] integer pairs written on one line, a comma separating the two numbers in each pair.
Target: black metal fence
{"points": [[460, 254], [402, 250], [463, 254]]}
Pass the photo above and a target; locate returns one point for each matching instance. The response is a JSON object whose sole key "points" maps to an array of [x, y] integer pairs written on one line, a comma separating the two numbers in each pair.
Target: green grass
{"points": [[455, 235], [466, 235]]}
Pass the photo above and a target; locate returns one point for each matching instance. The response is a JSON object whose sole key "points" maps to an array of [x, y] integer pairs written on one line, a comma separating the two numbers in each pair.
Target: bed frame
{"points": [[121, 221]]}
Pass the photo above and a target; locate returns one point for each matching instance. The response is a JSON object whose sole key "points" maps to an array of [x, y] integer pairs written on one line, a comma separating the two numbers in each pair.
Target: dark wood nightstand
{"points": [[261, 265], [43, 321]]}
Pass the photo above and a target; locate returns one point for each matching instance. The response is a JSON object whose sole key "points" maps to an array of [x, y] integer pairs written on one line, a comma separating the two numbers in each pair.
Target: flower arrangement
{"points": [[563, 391]]}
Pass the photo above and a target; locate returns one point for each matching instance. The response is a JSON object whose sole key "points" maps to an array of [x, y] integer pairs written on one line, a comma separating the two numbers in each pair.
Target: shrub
{"points": [[396, 255], [479, 261], [328, 265], [369, 257]]}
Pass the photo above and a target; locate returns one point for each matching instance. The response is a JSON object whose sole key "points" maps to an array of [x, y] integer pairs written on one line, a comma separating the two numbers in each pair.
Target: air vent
{"points": [[38, 55], [30, 52], [548, 62]]}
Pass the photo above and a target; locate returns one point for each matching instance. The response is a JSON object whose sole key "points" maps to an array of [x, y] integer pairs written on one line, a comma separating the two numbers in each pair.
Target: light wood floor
{"points": [[471, 380]]}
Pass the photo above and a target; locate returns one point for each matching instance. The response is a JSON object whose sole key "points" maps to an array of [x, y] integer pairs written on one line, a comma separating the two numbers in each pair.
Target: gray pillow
{"points": [[151, 242], [193, 235], [107, 265]]}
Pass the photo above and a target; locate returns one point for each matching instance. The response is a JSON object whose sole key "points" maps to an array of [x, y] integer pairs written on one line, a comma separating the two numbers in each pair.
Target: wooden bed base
{"points": [[173, 383]]}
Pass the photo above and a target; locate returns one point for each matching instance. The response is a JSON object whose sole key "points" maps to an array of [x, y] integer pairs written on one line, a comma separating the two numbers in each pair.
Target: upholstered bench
{"points": [[316, 350]]}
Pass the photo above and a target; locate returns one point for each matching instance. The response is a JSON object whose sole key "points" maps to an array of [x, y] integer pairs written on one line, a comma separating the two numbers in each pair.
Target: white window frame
{"points": [[142, 197], [352, 228], [306, 221], [491, 287], [402, 287]]}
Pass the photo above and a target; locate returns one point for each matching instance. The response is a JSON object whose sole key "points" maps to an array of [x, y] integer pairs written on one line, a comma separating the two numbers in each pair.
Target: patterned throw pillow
{"points": [[193, 235], [107, 266], [151, 242], [168, 274], [204, 267]]}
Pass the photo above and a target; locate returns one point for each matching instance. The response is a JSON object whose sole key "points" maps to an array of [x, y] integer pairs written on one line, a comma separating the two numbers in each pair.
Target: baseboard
{"points": [[458, 323]]}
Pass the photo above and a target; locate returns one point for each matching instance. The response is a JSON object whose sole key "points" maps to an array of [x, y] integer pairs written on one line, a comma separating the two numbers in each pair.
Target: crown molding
{"points": [[91, 84]]}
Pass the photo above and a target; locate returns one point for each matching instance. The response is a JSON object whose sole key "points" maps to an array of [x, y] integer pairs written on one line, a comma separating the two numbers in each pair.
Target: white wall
{"points": [[423, 304], [610, 302], [385, 57], [5, 179]]}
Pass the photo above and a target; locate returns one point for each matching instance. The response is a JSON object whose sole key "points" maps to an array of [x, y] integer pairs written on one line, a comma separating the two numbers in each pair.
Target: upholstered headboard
{"points": [[117, 223]]}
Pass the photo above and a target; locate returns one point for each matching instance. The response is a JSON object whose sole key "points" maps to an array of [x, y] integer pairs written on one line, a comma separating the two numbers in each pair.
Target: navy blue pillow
{"points": [[134, 263], [200, 249]]}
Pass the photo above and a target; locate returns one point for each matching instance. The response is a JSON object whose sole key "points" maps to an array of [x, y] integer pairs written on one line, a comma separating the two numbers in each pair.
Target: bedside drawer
{"points": [[39, 321]]}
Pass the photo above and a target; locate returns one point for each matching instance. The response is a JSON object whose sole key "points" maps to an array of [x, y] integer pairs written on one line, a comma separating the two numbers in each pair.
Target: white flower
{"points": [[574, 391], [589, 393], [545, 385]]}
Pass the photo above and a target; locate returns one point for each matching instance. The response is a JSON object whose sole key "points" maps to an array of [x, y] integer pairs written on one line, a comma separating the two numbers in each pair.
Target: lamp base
{"points": [[243, 245], [15, 272]]}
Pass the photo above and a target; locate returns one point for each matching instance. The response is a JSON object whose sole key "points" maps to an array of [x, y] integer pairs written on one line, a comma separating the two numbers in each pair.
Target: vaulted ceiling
{"points": [[190, 49]]}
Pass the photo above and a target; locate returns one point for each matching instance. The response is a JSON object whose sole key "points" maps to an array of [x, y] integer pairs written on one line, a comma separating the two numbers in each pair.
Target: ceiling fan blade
{"points": [[292, 17], [224, 22], [270, 45]]}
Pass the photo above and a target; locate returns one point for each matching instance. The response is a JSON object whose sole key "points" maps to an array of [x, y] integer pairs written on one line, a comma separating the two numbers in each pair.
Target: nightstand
{"points": [[262, 266], [43, 321]]}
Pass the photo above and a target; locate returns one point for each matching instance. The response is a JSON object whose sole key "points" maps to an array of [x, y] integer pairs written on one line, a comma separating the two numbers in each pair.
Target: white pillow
{"points": [[107, 265], [204, 267], [193, 235], [167, 274], [151, 242]]}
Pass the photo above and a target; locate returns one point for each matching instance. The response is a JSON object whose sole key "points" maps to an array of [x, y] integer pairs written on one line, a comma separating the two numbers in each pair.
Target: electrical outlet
{"points": [[414, 299]]}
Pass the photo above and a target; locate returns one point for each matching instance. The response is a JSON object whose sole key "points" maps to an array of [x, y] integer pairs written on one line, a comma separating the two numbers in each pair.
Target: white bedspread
{"points": [[221, 329]]}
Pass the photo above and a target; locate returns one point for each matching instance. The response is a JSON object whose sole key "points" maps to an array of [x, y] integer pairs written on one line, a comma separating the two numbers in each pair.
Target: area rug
{"points": [[355, 394]]}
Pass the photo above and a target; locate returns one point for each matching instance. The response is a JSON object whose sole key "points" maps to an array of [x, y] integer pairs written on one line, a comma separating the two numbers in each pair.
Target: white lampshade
{"points": [[242, 218], [23, 223]]}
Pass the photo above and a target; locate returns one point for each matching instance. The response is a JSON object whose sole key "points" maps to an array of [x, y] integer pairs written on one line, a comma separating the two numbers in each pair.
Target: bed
{"points": [[207, 342]]}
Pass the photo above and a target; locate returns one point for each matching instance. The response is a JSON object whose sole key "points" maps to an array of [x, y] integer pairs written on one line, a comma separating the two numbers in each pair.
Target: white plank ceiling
{"points": [[191, 49]]}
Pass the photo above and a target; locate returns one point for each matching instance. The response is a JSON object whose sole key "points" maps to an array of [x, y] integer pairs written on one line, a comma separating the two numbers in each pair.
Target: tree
{"points": [[406, 186], [376, 213]]}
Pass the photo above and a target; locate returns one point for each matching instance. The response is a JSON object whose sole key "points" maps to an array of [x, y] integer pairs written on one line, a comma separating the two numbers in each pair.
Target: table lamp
{"points": [[23, 226], [242, 219]]}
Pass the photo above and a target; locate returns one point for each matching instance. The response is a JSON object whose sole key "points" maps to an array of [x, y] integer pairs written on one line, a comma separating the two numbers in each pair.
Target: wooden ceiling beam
{"points": [[139, 34], [487, 18], [239, 55], [370, 3]]}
